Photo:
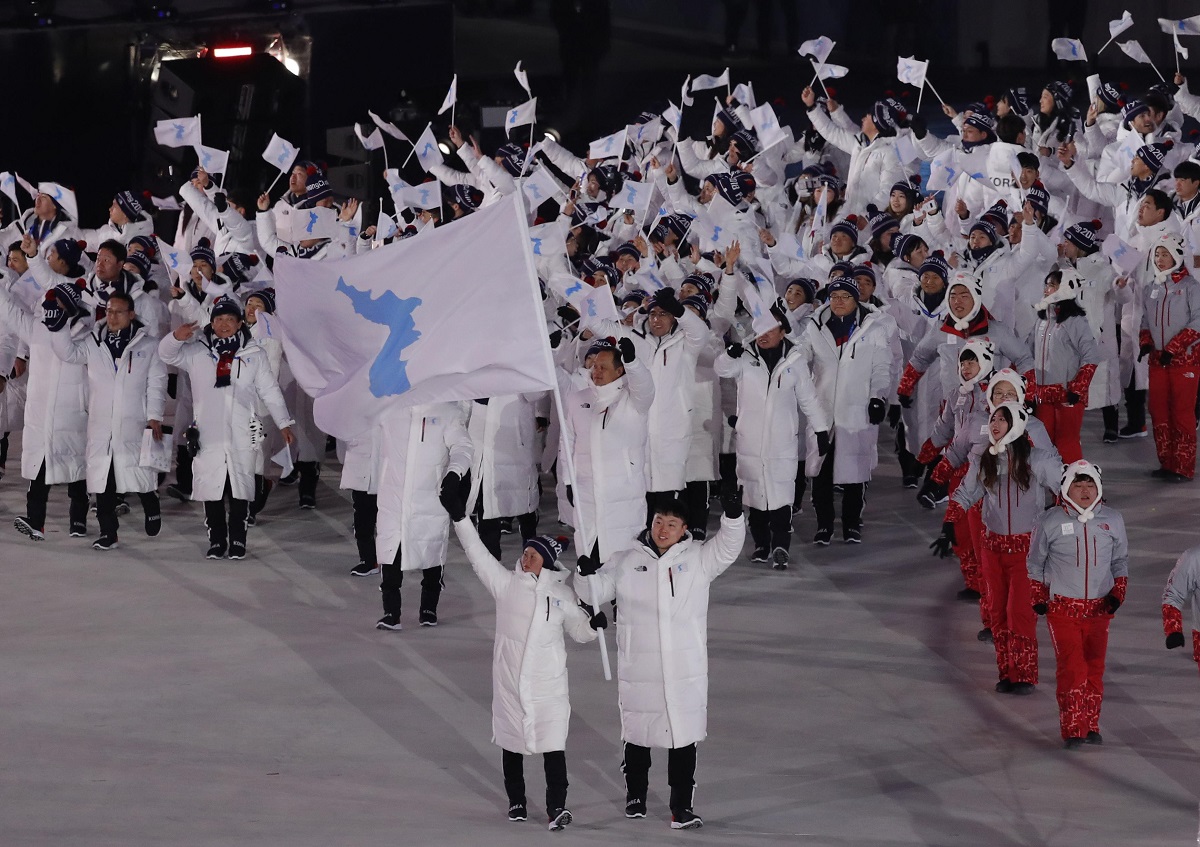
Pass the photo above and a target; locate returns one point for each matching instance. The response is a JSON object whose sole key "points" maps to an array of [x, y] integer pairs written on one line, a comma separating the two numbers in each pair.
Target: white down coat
{"points": [[767, 435], [875, 166], [504, 467], [123, 394], [230, 430], [420, 444], [662, 633], [55, 430], [606, 431], [915, 321], [847, 378], [531, 708]]}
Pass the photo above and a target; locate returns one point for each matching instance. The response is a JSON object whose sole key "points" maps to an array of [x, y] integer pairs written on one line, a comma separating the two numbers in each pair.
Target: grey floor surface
{"points": [[151, 697]]}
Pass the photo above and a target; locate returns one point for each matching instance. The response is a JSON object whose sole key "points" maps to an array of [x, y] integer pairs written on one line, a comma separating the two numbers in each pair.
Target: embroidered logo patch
{"points": [[1068, 529]]}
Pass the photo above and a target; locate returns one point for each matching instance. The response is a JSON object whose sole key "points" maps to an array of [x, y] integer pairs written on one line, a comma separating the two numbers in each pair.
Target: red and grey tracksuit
{"points": [[1171, 324], [1075, 567], [1183, 588], [1065, 356], [1009, 516], [963, 417]]}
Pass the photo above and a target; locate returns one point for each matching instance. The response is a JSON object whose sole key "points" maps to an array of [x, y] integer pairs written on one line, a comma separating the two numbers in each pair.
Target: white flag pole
{"points": [[818, 72], [414, 146], [544, 343], [275, 180], [935, 92], [1106, 43], [1156, 70]]}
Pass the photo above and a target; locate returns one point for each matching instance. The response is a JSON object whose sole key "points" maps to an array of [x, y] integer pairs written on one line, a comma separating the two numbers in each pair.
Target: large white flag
{"points": [[178, 262], [912, 70], [8, 185], [707, 81], [1121, 24], [281, 153], [212, 159], [521, 115], [178, 132], [374, 141], [1133, 50], [608, 147], [410, 322], [426, 195], [1068, 49], [819, 48], [1185, 26], [427, 150], [451, 96], [685, 98]]}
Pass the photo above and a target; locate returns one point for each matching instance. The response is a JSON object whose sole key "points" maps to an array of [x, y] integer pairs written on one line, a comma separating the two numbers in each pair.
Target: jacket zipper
{"points": [[423, 430], [671, 580], [547, 608], [1087, 562]]}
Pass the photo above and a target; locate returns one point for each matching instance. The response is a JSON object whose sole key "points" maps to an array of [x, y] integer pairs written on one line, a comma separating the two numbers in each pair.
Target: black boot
{"points": [[310, 472]]}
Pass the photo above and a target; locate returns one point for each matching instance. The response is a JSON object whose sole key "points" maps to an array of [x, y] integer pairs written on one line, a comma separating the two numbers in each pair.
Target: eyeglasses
{"points": [[837, 295]]}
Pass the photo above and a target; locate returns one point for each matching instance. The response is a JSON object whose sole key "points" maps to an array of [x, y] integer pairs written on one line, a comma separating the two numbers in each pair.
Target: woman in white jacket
{"points": [[848, 345], [127, 394], [504, 470], [662, 588], [531, 707], [229, 374], [54, 440], [424, 450]]}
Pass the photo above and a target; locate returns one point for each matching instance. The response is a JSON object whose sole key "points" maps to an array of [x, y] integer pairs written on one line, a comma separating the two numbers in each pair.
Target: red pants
{"points": [[964, 548], [1172, 403], [1063, 424], [1010, 607], [1080, 645], [975, 541]]}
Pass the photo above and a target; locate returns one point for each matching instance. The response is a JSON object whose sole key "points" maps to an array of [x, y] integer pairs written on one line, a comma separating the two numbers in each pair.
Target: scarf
{"points": [[116, 342], [978, 255], [225, 349], [771, 356], [1139, 187], [842, 328], [932, 302], [309, 252]]}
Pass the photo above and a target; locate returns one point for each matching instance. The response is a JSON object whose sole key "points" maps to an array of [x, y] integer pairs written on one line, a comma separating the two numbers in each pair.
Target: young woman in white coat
{"points": [[127, 393], [848, 344], [54, 440], [774, 394], [229, 374], [662, 588], [531, 707]]}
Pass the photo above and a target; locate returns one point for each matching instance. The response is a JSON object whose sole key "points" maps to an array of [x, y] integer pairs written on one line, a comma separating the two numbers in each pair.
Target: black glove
{"points": [[732, 421], [735, 350], [454, 500], [731, 499], [555, 339], [906, 400], [596, 620], [191, 437], [943, 545], [1144, 351], [1113, 603], [931, 492], [1072, 398], [587, 566], [1040, 608], [1175, 639], [822, 442], [567, 315], [876, 411], [665, 299], [894, 416], [1164, 358], [919, 126], [628, 354], [220, 201], [570, 496]]}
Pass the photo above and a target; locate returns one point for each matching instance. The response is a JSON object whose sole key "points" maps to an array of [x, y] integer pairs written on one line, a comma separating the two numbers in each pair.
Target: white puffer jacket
{"points": [[531, 708], [230, 430], [420, 445], [662, 632], [123, 394], [504, 469]]}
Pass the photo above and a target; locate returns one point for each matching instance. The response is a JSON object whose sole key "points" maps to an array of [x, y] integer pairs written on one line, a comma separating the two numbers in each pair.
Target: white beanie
{"points": [[1019, 418], [1082, 468], [984, 355], [1069, 288], [973, 284], [1012, 378], [1173, 244]]}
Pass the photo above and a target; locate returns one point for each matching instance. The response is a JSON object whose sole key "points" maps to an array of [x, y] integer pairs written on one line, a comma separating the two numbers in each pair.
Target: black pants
{"points": [[801, 485], [910, 468], [852, 498], [310, 472], [654, 498], [727, 468], [681, 774], [39, 493], [230, 533], [1111, 421], [489, 530], [771, 529], [3, 450], [555, 763], [1135, 405], [366, 511], [106, 506], [695, 500], [392, 578], [183, 469]]}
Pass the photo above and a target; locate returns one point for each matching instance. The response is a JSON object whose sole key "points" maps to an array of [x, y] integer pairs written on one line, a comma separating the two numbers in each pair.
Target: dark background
{"points": [[85, 79]]}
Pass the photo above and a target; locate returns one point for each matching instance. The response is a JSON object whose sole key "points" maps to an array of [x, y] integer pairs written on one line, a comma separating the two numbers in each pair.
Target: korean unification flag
{"points": [[1133, 50], [280, 153], [178, 132], [633, 195], [388, 127], [8, 185], [685, 98], [522, 79], [451, 96], [522, 115], [294, 225], [673, 115], [911, 70], [760, 310], [1186, 26], [830, 71], [61, 195], [707, 81], [1068, 49], [608, 147], [941, 175], [426, 195], [819, 48], [374, 141], [540, 186], [411, 323], [177, 261], [767, 126], [385, 226], [213, 160], [713, 231], [1124, 257], [548, 239], [427, 150]]}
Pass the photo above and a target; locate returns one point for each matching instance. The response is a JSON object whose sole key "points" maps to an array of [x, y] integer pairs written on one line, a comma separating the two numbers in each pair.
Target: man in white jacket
{"points": [[662, 587], [531, 709], [127, 392]]}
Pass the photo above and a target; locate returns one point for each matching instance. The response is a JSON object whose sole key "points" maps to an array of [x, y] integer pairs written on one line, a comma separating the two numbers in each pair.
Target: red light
{"points": [[231, 52]]}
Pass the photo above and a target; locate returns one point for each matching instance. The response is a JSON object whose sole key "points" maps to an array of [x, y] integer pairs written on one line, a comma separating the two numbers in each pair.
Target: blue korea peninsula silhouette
{"points": [[388, 376]]}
